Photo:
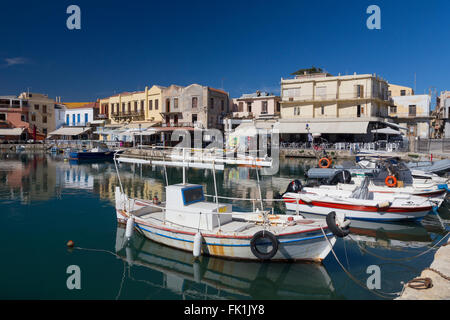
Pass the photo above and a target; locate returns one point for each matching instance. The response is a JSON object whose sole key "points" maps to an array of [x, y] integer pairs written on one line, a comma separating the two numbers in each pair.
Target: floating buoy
{"points": [[130, 227], [197, 245], [70, 244]]}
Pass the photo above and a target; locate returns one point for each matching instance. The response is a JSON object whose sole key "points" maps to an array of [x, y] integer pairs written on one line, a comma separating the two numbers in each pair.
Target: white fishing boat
{"points": [[188, 222], [358, 204]]}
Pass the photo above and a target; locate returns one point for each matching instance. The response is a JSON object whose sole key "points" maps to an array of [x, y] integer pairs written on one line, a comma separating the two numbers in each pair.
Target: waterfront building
{"points": [[41, 112], [14, 118], [80, 114], [195, 106], [441, 123], [340, 108], [395, 90], [412, 112]]}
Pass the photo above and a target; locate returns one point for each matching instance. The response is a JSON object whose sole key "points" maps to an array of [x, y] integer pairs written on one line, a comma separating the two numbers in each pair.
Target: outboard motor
{"points": [[295, 187], [343, 176]]}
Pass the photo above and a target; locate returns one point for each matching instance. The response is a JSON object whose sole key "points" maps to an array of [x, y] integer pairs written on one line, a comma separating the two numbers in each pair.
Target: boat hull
{"points": [[357, 212], [309, 245]]}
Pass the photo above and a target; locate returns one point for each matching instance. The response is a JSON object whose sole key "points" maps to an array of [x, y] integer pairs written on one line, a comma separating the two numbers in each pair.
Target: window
{"points": [[44, 109], [249, 106], [156, 104], [2, 117], [36, 107], [135, 106], [33, 117], [211, 103], [44, 131], [44, 119], [129, 107], [86, 118], [390, 93], [194, 102], [393, 109], [241, 107], [358, 111], [194, 118], [175, 103], [167, 105], [278, 106], [222, 105], [142, 105], [321, 92], [23, 118], [322, 110], [264, 107], [359, 91], [150, 104], [123, 107], [412, 110], [78, 118], [67, 119], [403, 92], [73, 119]]}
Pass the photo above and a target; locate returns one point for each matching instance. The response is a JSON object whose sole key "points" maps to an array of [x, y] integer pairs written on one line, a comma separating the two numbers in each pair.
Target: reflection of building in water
{"points": [[26, 178], [74, 177], [133, 187]]}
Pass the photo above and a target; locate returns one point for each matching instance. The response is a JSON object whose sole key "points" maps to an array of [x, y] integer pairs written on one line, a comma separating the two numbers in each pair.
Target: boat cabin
{"points": [[186, 206]]}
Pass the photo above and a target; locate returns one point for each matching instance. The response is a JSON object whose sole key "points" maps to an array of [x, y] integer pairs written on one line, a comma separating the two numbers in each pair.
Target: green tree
{"points": [[307, 70]]}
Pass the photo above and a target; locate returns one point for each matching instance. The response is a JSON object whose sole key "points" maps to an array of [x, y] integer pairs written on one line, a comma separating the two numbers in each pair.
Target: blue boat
{"points": [[93, 154]]}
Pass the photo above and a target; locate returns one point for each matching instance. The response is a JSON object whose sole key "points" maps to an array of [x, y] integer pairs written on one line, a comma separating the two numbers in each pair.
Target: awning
{"points": [[335, 127], [68, 131], [394, 125], [97, 122], [387, 131], [11, 131]]}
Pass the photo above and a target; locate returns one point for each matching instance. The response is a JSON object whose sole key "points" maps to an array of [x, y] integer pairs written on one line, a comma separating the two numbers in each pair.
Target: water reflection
{"points": [[214, 278]]}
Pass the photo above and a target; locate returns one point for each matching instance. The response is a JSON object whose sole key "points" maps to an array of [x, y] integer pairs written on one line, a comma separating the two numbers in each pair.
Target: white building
{"points": [[80, 115], [412, 112]]}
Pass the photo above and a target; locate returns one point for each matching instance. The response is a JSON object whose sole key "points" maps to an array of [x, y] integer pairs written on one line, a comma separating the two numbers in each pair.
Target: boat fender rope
{"points": [[439, 273], [264, 234], [334, 228]]}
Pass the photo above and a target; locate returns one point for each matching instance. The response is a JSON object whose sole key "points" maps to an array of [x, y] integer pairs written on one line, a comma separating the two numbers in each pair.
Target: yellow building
{"points": [[398, 91], [133, 107]]}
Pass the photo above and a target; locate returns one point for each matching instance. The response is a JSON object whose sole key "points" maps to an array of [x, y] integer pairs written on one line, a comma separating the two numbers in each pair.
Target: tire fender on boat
{"points": [[263, 234], [334, 228]]}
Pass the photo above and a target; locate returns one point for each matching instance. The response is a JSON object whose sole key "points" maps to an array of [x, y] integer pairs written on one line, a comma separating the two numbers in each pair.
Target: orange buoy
{"points": [[70, 244], [391, 181], [324, 163]]}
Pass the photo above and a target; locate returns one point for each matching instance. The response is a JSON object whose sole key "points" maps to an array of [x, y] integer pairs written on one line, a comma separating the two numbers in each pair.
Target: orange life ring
{"points": [[327, 165], [391, 181]]}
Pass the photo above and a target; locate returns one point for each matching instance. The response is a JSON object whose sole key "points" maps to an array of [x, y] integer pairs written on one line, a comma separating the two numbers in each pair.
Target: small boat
{"points": [[386, 176], [358, 204], [96, 153], [436, 167], [190, 223]]}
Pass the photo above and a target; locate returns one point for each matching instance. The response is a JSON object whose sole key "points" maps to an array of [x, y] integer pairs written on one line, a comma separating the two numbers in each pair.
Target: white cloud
{"points": [[15, 61]]}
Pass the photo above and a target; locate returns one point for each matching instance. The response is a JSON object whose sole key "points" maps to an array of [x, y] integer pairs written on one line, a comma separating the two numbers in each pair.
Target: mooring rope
{"points": [[379, 293]]}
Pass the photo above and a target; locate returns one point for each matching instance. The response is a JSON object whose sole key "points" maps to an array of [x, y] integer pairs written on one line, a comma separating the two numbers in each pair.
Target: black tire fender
{"points": [[264, 235], [332, 225]]}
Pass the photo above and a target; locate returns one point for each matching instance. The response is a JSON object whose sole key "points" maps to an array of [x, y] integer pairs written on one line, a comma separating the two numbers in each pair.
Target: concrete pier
{"points": [[441, 286]]}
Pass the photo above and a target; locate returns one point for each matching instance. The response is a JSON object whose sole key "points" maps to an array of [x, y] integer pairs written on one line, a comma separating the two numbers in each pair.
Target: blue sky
{"points": [[241, 45]]}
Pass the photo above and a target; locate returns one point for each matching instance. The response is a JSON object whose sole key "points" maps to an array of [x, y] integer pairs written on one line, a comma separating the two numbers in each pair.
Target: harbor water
{"points": [[45, 201]]}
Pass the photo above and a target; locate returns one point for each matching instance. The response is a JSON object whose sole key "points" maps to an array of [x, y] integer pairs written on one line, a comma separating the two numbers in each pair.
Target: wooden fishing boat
{"points": [[358, 204], [190, 223]]}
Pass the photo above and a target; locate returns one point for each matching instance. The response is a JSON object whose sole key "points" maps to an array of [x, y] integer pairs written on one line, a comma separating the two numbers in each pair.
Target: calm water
{"points": [[44, 202]]}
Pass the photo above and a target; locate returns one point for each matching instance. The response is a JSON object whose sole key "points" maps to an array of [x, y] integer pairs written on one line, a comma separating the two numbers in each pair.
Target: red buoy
{"points": [[70, 244]]}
